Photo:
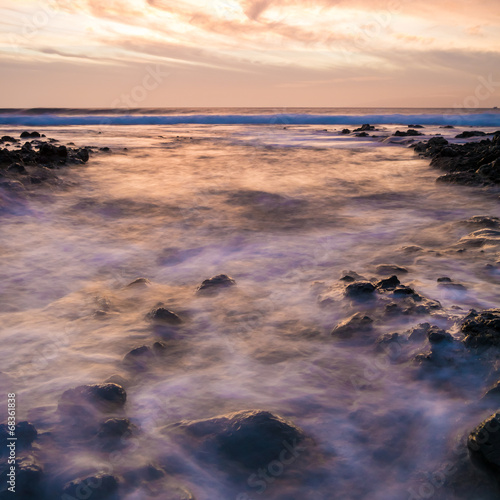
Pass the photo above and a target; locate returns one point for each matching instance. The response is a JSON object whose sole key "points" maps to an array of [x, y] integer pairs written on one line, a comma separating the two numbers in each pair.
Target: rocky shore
{"points": [[472, 163]]}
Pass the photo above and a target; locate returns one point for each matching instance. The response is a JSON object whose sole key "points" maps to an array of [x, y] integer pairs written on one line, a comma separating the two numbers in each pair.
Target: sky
{"points": [[251, 53]]}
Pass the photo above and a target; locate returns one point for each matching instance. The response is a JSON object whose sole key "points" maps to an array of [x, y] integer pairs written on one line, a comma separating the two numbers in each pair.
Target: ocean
{"points": [[286, 205]]}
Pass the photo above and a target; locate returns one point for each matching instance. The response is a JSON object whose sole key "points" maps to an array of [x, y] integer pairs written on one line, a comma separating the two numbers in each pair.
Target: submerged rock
{"points": [[391, 269], [250, 438], [482, 329], [216, 283], [138, 358], [28, 478], [96, 487], [104, 397], [139, 282], [25, 433], [360, 290], [484, 444], [358, 323], [437, 335], [163, 315]]}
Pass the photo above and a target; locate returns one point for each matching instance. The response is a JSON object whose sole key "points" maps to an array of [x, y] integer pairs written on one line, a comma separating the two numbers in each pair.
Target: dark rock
{"points": [[467, 134], [389, 283], [25, 433], [406, 133], [83, 155], [29, 476], [356, 324], [436, 335], [105, 149], [351, 276], [115, 428], [493, 394], [162, 315], [17, 168], [138, 358], [447, 126], [391, 269], [8, 138], [451, 285], [365, 128], [360, 290], [160, 348], [362, 134], [419, 332], [250, 438], [216, 283], [485, 221], [95, 487], [346, 131], [482, 329], [139, 282], [403, 291], [30, 135], [415, 126], [387, 342], [104, 397], [444, 279], [484, 444]]}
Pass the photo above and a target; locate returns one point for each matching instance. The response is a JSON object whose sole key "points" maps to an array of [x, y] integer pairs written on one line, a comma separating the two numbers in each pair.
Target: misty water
{"points": [[286, 212]]}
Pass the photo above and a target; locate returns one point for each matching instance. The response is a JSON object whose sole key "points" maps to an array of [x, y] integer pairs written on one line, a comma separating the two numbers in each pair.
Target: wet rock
{"points": [[390, 344], [8, 138], [419, 332], [115, 429], [467, 134], [404, 291], [389, 283], [356, 324], [138, 358], [95, 487], [365, 128], [17, 168], [160, 348], [437, 335], [118, 380], [444, 279], [346, 131], [360, 291], [482, 329], [30, 135], [481, 237], [362, 134], [415, 126], [485, 221], [25, 433], [104, 397], [216, 283], [406, 133], [164, 316], [493, 394], [484, 444], [391, 269], [139, 282], [250, 438], [29, 476], [451, 285], [351, 276]]}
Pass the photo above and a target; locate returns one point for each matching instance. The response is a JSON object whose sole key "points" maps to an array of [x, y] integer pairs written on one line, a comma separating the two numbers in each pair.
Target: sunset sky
{"points": [[274, 53]]}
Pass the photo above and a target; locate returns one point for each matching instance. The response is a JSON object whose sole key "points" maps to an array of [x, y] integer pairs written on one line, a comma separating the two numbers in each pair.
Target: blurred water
{"points": [[285, 213]]}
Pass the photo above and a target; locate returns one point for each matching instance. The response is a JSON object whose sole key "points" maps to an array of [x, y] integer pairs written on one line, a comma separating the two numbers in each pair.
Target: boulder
{"points": [[95, 487], [25, 433], [389, 283], [30, 135], [249, 438], [356, 324], [385, 269], [467, 134], [103, 397], [482, 329], [360, 290], [164, 316], [484, 444], [346, 131], [216, 283]]}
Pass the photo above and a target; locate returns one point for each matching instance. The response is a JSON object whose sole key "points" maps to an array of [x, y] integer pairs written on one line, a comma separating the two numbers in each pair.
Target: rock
{"points": [[164, 316], [138, 358], [444, 279], [389, 283], [385, 269], [25, 433], [216, 283], [139, 282], [351, 276], [362, 134], [356, 324], [485, 221], [104, 397], [484, 444], [451, 285], [346, 131], [365, 128], [8, 138], [250, 438], [17, 168], [406, 133], [436, 335], [493, 394], [96, 487], [360, 290], [415, 126], [419, 332], [447, 126], [115, 429], [83, 155], [467, 134], [482, 329], [490, 171], [28, 477], [30, 135]]}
